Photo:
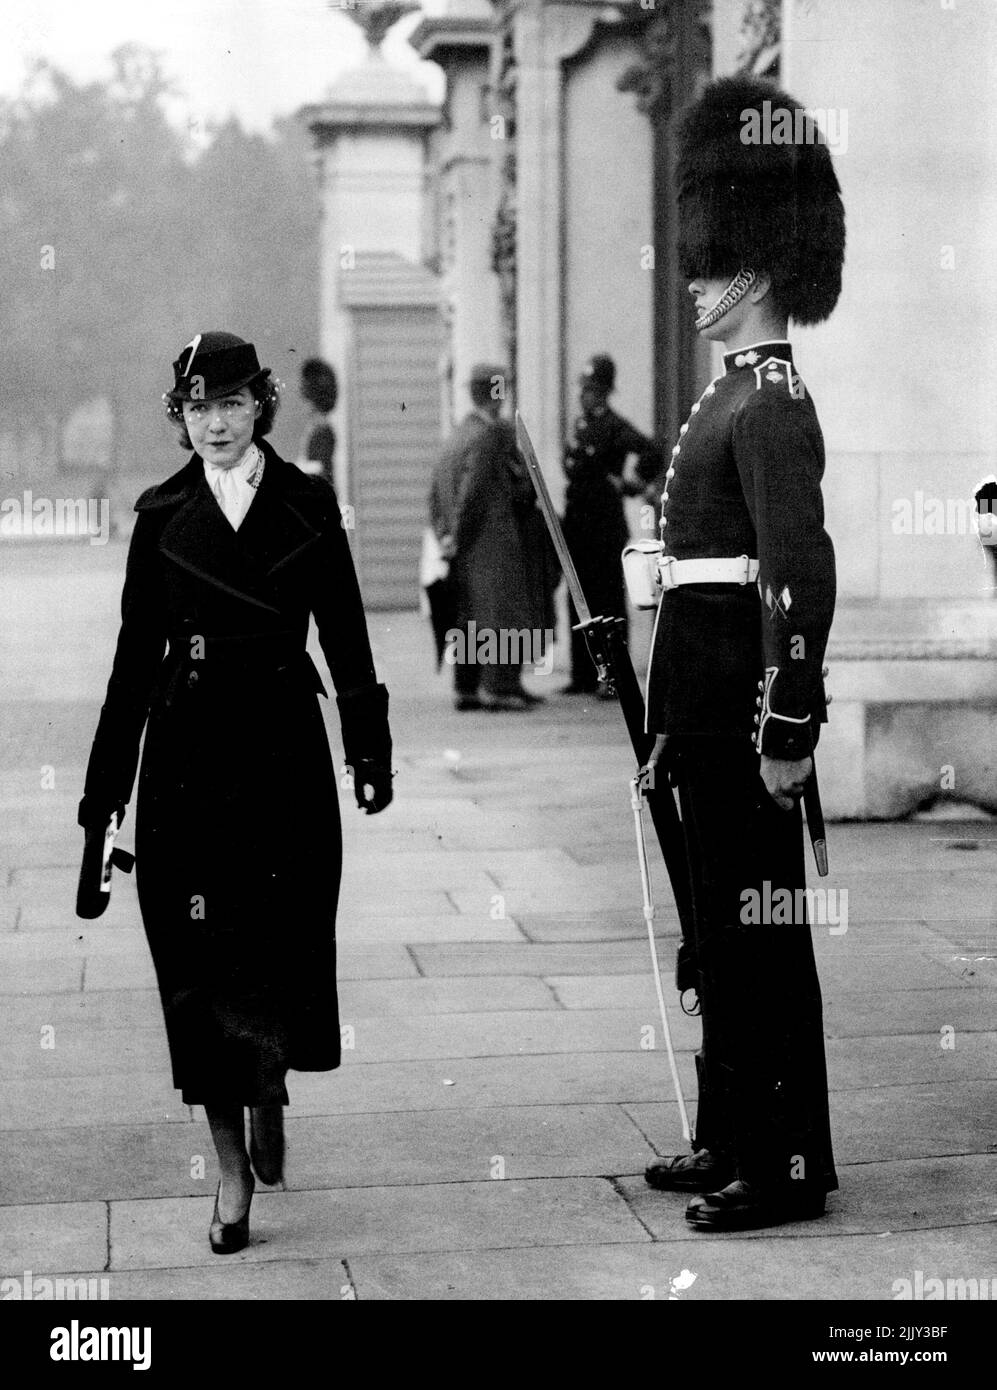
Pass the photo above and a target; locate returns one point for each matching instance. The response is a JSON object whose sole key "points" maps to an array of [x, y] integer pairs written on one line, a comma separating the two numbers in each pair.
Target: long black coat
{"points": [[238, 842], [482, 496]]}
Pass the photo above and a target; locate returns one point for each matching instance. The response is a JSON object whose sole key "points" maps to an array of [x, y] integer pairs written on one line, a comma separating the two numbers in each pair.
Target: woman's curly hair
{"points": [[266, 391]]}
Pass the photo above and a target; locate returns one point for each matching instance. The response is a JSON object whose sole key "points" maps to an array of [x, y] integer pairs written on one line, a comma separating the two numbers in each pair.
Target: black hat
{"points": [[212, 365], [599, 371], [757, 191], [319, 385]]}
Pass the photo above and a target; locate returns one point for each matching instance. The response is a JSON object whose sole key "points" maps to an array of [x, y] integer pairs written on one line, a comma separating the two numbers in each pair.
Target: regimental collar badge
{"points": [[755, 353], [779, 371]]}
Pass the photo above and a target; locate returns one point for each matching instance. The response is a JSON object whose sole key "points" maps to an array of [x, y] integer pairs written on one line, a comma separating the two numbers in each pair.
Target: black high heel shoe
{"points": [[268, 1162], [229, 1237]]}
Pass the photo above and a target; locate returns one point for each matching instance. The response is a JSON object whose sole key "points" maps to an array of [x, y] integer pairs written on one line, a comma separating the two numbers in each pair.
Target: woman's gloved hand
{"points": [[372, 786], [367, 744]]}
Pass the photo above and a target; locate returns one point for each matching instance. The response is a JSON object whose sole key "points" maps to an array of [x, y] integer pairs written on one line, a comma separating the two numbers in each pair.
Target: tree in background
{"points": [[118, 247]]}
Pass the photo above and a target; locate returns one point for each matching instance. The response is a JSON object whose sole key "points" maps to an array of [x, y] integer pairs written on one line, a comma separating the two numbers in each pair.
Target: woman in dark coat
{"points": [[238, 842]]}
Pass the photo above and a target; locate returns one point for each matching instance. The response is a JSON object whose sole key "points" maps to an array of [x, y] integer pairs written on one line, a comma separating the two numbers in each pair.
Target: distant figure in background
{"points": [[985, 498], [320, 389], [595, 525], [483, 510]]}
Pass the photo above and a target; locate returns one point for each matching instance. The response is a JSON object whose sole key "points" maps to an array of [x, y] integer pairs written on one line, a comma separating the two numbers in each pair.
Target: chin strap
{"points": [[733, 294]]}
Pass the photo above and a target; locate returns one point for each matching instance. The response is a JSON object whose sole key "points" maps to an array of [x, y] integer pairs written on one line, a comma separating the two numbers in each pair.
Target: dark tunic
{"points": [[735, 670], [238, 844], [595, 525]]}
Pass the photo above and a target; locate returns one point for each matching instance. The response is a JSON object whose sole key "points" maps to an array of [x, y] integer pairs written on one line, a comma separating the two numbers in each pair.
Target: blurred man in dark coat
{"points": [[735, 692], [595, 525], [483, 509]]}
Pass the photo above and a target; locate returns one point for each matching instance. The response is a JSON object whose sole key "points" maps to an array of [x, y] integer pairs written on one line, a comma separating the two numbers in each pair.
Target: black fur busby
{"points": [[757, 191], [319, 385]]}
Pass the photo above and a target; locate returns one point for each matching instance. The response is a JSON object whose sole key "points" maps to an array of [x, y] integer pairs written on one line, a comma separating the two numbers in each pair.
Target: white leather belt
{"points": [[739, 570]]}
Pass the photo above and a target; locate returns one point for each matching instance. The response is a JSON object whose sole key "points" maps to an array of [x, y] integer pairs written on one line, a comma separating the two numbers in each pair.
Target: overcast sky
{"points": [[258, 58]]}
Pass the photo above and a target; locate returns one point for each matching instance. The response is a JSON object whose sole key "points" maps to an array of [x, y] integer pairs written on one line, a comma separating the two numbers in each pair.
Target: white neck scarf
{"points": [[234, 488]]}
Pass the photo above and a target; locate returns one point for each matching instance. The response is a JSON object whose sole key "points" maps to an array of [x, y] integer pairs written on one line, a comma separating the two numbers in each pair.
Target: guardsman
{"points": [[595, 525], [735, 691]]}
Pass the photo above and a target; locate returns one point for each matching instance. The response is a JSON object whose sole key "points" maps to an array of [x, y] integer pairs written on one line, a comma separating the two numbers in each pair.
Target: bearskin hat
{"points": [[319, 385], [749, 201]]}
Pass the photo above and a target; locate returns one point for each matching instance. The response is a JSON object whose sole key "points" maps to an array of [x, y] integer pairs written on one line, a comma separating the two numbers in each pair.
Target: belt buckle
{"points": [[747, 570], [666, 576]]}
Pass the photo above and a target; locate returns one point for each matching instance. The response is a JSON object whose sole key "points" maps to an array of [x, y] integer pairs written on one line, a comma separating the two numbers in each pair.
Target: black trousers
{"points": [[761, 1070]]}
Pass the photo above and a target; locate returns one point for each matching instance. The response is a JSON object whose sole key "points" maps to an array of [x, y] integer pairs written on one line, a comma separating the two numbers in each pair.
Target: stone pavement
{"points": [[486, 1135]]}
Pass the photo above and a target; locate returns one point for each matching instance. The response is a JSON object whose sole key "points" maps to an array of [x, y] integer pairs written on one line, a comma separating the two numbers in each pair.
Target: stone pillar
{"points": [[464, 182], [370, 152], [544, 35], [905, 379]]}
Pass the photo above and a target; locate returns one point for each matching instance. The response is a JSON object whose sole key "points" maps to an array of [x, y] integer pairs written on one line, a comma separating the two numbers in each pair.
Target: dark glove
{"points": [[363, 715], [372, 786], [95, 815]]}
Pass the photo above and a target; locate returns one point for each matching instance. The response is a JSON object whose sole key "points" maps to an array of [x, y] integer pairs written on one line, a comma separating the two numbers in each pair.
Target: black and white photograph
{"points": [[498, 667]]}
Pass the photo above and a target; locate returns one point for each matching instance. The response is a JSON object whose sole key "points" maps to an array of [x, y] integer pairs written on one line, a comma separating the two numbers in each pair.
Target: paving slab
{"points": [[345, 1222], [85, 1053], [851, 1014], [397, 1038], [692, 1267], [447, 868], [77, 943], [132, 1098], [65, 1235], [448, 1083], [445, 926], [423, 1147], [586, 900], [862, 1063], [910, 894], [839, 980], [46, 976], [108, 1162], [540, 959], [136, 1009], [381, 998], [393, 1148], [592, 925], [317, 1280]]}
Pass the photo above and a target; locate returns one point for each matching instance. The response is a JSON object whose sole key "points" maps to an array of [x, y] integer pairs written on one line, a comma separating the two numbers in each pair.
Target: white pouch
{"points": [[640, 572]]}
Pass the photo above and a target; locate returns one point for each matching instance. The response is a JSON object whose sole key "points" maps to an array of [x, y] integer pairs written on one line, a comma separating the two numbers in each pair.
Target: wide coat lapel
{"points": [[282, 524]]}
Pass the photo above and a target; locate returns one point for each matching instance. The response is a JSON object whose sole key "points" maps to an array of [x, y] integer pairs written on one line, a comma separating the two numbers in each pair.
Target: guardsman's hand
{"points": [[646, 775], [784, 781]]}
